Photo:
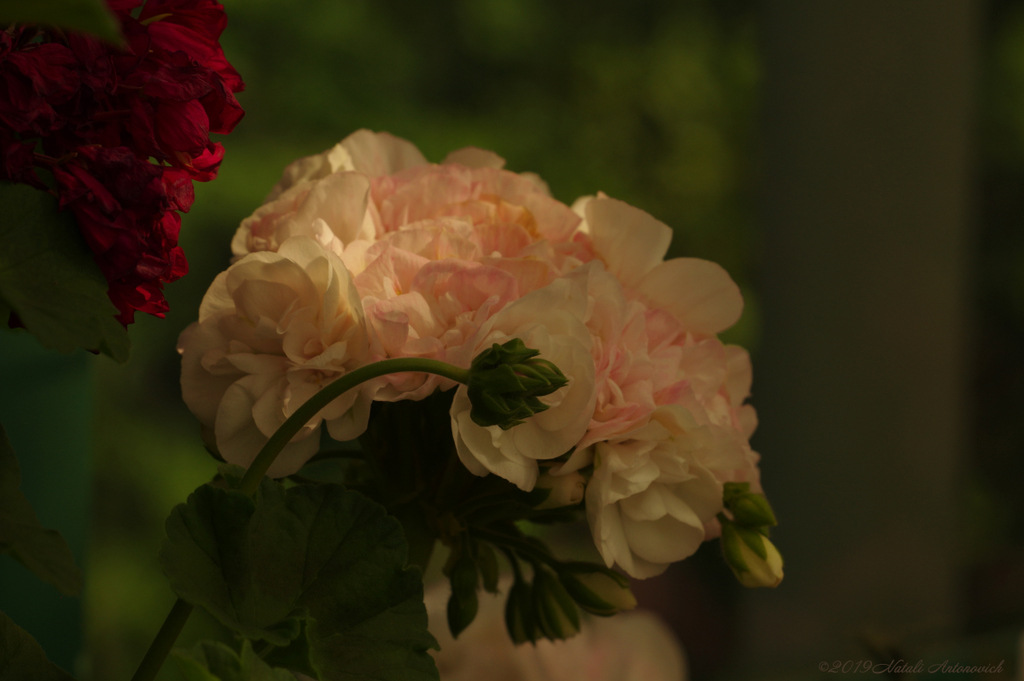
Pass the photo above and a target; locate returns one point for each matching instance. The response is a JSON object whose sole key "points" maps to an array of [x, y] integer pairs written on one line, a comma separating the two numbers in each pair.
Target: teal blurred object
{"points": [[46, 406]]}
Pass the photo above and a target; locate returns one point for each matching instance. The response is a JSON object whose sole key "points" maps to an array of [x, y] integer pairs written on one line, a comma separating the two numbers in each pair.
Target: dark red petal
{"points": [[179, 79], [178, 188], [51, 69], [223, 109], [178, 38], [179, 265], [204, 17], [24, 110], [150, 267], [183, 126], [96, 64], [205, 166], [226, 71], [140, 126], [75, 183]]}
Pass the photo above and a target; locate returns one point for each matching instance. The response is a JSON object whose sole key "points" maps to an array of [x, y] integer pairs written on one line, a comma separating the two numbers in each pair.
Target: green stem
{"points": [[307, 411], [176, 618], [163, 642]]}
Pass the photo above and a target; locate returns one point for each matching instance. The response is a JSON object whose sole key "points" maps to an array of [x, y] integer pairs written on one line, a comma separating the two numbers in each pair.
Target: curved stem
{"points": [[302, 415], [175, 622]]}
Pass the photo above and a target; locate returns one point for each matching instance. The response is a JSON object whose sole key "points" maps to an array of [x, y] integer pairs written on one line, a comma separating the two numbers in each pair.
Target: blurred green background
{"points": [[655, 102]]}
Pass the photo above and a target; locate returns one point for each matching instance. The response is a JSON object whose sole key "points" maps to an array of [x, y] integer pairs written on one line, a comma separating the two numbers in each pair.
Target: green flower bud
{"points": [[597, 589], [753, 558], [557, 617], [462, 604], [748, 508], [505, 383], [519, 619], [564, 490]]}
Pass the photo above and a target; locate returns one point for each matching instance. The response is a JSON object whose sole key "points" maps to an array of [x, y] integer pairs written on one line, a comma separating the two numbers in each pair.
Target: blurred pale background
{"points": [[856, 166]]}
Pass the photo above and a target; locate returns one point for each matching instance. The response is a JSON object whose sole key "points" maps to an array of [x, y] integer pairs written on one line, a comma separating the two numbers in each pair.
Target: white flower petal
{"points": [[474, 157], [629, 240], [381, 153], [699, 293]]}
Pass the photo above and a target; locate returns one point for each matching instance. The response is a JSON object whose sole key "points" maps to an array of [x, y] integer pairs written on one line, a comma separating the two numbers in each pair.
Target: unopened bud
{"points": [[506, 381], [753, 558], [748, 509], [519, 613], [557, 617], [596, 589], [564, 490]]}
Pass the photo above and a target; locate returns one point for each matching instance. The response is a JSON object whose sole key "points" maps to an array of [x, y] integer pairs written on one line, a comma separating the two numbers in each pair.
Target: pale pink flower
{"points": [[429, 308], [325, 196], [273, 330], [654, 489], [449, 258]]}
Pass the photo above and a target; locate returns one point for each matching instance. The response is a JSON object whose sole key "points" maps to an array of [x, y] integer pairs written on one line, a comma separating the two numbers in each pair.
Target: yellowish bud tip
{"points": [[760, 571], [566, 490]]}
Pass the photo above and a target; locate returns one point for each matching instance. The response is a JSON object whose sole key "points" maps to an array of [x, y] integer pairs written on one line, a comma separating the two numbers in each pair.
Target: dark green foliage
{"points": [[319, 556], [212, 661], [21, 658], [42, 551], [462, 604], [49, 279]]}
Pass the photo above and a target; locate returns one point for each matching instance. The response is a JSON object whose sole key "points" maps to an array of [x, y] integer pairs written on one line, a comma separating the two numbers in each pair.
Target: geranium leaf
{"points": [[49, 278], [314, 555], [213, 661], [42, 551], [21, 657], [88, 16]]}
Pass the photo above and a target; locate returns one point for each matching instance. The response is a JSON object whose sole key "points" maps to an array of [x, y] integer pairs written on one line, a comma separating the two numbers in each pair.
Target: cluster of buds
{"points": [[753, 558], [122, 132], [506, 382], [548, 606]]}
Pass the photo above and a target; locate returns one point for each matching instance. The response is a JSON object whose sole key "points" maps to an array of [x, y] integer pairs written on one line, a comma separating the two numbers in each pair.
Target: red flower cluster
{"points": [[123, 132]]}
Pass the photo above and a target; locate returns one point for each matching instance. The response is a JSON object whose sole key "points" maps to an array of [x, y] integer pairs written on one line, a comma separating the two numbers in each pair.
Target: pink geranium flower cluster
{"points": [[124, 132], [447, 259]]}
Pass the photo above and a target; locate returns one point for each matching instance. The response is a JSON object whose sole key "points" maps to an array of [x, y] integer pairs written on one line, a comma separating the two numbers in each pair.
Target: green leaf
{"points": [[88, 16], [463, 603], [488, 563], [213, 661], [42, 551], [318, 555], [48, 276], [21, 657]]}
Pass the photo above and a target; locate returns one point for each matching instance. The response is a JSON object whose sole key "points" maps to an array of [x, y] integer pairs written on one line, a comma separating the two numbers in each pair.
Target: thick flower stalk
{"points": [[123, 131]]}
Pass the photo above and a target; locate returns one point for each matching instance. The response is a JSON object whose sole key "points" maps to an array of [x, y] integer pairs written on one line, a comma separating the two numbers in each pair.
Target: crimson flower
{"points": [[122, 131]]}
